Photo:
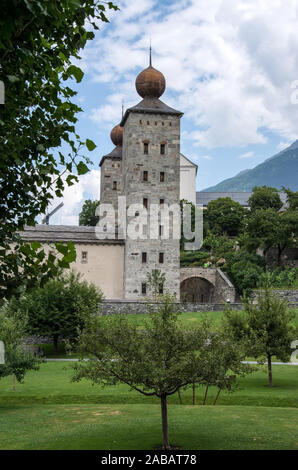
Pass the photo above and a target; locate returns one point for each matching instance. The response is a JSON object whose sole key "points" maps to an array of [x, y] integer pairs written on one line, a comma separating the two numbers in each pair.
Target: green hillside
{"points": [[279, 170]]}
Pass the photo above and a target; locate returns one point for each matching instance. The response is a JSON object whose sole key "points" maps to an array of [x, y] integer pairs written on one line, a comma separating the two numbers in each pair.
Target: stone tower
{"points": [[151, 175], [111, 170], [111, 184]]}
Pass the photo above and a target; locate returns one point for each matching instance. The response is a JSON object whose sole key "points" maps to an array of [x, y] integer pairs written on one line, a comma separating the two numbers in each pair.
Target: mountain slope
{"points": [[277, 171]]}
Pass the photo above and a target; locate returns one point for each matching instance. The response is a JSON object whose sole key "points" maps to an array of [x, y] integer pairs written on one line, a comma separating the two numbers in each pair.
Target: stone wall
{"points": [[138, 307], [221, 289], [290, 295]]}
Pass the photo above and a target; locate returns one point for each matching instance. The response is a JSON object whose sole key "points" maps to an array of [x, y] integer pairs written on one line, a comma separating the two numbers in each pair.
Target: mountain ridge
{"points": [[277, 171]]}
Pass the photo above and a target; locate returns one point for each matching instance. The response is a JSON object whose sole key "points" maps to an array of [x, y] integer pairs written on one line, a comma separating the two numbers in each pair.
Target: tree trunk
{"points": [[164, 419], [13, 383], [217, 395], [180, 397], [269, 370], [206, 393], [193, 393], [55, 342], [279, 252]]}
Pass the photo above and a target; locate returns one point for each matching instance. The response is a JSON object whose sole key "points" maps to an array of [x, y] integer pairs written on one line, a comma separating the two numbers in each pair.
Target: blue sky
{"points": [[229, 66]]}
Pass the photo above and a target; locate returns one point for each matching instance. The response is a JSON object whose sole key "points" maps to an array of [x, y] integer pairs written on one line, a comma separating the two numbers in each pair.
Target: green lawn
{"points": [[50, 412], [52, 385], [138, 427]]}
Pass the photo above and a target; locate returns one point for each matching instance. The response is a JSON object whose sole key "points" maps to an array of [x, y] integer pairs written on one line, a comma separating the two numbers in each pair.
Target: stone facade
{"points": [[154, 129], [111, 181], [206, 285]]}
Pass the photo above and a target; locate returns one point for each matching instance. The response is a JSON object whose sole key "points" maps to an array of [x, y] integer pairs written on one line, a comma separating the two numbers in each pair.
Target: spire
{"points": [[122, 108], [150, 55]]}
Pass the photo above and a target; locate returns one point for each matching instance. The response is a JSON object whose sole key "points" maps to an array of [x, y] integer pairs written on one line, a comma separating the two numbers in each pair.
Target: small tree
{"points": [[157, 361], [16, 361], [59, 308], [87, 215], [219, 357], [156, 280], [266, 326]]}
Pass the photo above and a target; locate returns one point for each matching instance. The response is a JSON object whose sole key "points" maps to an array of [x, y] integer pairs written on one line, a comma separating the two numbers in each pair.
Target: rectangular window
{"points": [[84, 257], [144, 257], [145, 175], [145, 203], [161, 258], [144, 288], [160, 230], [114, 185], [162, 177], [161, 202], [146, 148], [162, 149], [160, 289]]}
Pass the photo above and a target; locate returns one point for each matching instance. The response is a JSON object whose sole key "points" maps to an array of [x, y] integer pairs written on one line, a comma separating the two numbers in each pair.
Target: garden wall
{"points": [[124, 307], [290, 295]]}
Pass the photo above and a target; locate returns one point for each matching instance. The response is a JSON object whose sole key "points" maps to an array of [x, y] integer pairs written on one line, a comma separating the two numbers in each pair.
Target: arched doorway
{"points": [[196, 290]]}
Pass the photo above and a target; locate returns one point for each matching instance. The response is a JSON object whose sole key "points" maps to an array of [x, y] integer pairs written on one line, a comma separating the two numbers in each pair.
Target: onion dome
{"points": [[150, 83], [117, 135]]}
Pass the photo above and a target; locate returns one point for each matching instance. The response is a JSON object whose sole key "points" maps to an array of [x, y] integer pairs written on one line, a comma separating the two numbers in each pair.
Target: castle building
{"points": [[147, 169]]}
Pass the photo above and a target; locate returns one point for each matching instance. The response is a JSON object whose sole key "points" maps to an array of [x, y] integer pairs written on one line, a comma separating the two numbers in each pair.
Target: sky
{"points": [[231, 66]]}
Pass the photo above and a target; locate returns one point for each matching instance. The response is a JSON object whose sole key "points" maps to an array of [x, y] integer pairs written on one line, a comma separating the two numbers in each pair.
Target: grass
{"points": [[50, 412], [138, 427], [52, 385], [188, 319]]}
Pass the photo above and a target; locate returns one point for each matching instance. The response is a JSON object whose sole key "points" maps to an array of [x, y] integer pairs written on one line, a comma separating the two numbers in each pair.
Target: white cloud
{"points": [[207, 157], [246, 155], [74, 196], [227, 64]]}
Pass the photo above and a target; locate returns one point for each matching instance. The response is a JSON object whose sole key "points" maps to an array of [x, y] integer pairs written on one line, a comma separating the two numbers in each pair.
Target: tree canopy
{"points": [[225, 216], [58, 308], [264, 197], [41, 151], [17, 360], [87, 215], [265, 325]]}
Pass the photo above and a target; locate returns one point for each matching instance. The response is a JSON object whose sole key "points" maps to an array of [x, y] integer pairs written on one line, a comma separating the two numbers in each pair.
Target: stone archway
{"points": [[197, 290]]}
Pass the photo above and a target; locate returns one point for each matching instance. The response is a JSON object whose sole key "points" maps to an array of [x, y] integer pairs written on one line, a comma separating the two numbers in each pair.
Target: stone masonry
{"points": [[154, 128]]}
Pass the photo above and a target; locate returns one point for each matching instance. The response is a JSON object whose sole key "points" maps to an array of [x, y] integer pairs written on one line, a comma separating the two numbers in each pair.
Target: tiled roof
{"points": [[65, 233], [150, 105], [204, 198], [115, 154]]}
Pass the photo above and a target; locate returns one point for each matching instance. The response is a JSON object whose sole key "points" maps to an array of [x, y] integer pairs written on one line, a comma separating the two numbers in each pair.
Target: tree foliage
{"points": [[39, 43], [87, 215], [225, 216], [17, 360], [58, 308], [266, 325], [156, 361], [264, 197]]}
